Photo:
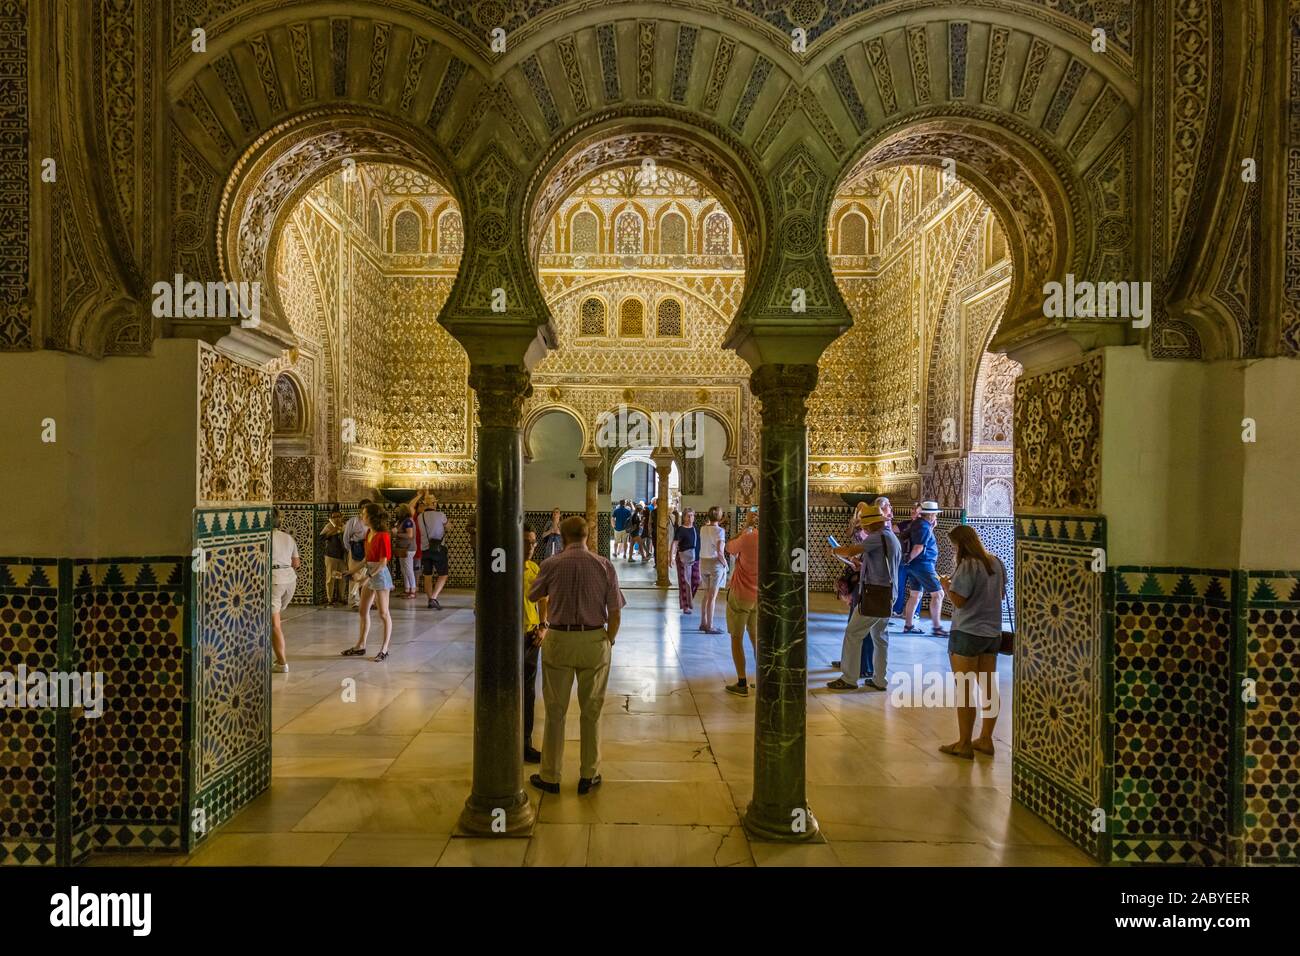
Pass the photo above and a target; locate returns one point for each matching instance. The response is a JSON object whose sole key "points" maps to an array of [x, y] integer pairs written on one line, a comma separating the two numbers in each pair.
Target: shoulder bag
{"points": [[875, 600], [1008, 645]]}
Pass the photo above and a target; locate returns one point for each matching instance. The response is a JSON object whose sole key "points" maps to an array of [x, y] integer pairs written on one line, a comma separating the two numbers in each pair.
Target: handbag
{"points": [[1008, 645], [846, 584]]}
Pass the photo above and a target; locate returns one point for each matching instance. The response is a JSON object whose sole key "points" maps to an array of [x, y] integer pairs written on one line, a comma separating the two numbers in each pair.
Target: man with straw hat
{"points": [[872, 601]]}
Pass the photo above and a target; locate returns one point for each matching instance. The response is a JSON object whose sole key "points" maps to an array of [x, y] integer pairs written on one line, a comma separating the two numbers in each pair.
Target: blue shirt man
{"points": [[621, 514], [923, 534]]}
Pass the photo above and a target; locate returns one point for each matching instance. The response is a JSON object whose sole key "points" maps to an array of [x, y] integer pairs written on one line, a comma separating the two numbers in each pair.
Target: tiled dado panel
{"points": [[74, 783], [30, 618], [1060, 731], [1270, 726], [128, 623], [298, 520], [230, 670], [1173, 715], [541, 520]]}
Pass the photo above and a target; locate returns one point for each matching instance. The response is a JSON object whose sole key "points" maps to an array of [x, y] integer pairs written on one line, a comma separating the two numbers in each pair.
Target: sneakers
{"points": [[280, 668], [739, 689]]}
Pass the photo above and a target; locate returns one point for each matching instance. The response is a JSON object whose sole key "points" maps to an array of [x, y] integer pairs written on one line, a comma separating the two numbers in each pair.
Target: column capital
{"points": [[501, 391], [784, 391], [663, 458]]}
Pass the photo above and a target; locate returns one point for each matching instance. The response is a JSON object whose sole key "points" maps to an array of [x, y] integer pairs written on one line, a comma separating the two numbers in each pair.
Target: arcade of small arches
{"points": [[836, 256]]}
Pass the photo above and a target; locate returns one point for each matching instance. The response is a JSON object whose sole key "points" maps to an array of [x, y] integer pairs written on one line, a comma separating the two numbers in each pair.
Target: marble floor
{"points": [[381, 780]]}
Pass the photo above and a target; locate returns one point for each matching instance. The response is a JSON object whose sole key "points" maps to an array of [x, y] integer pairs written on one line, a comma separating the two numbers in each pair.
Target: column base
{"points": [[770, 825], [484, 817]]}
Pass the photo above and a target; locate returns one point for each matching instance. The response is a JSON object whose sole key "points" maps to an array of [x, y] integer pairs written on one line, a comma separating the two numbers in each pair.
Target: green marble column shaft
{"points": [[497, 804], [779, 807]]}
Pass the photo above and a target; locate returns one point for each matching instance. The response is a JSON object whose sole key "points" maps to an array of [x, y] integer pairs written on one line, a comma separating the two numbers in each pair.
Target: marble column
{"points": [[779, 807], [663, 460], [498, 805], [591, 468]]}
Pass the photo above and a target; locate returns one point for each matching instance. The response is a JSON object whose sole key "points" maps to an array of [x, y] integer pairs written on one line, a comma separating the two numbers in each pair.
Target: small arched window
{"points": [[288, 416], [451, 234], [717, 234], [905, 203], [628, 232], [591, 317], [375, 222], [888, 226], [669, 319], [631, 319], [585, 235], [853, 234], [672, 235], [406, 231]]}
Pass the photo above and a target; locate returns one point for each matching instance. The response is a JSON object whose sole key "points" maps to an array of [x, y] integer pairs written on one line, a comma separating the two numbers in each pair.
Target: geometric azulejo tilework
{"points": [[231, 670], [297, 521], [1270, 780], [29, 771], [129, 625], [1060, 666], [1173, 714]]}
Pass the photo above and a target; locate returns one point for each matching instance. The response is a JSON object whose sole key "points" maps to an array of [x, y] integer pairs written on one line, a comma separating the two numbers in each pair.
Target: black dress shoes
{"points": [[586, 786], [532, 756], [537, 781]]}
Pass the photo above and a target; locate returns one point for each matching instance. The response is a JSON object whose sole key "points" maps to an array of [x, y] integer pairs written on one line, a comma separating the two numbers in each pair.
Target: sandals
{"points": [[978, 749], [938, 632], [354, 652], [840, 683], [911, 629], [953, 751], [380, 657]]}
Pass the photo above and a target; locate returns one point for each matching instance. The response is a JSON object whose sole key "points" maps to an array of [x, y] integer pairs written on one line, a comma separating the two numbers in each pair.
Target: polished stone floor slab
{"points": [[372, 761]]}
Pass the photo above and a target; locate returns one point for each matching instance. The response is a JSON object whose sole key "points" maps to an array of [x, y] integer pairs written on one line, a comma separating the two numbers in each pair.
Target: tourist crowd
{"points": [[572, 600]]}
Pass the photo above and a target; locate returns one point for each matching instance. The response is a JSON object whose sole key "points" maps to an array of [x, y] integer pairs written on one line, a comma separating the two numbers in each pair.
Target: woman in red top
{"points": [[742, 600], [376, 580]]}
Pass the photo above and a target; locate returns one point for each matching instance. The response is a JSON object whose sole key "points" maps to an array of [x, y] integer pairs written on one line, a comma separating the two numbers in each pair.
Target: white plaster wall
{"points": [[556, 444], [1270, 526], [712, 442], [1172, 458], [120, 480]]}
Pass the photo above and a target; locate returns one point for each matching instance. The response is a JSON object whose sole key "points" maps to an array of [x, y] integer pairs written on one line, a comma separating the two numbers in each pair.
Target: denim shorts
{"points": [[923, 579], [382, 581], [973, 645]]}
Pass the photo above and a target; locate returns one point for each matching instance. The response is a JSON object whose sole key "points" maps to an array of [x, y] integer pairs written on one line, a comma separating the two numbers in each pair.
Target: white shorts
{"points": [[282, 593]]}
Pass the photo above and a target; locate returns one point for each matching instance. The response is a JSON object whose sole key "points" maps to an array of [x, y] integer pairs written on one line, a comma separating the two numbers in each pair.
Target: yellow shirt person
{"points": [[531, 618]]}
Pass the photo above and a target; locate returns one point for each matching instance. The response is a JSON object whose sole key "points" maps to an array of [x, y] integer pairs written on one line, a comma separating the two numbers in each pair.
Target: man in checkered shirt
{"points": [[584, 606]]}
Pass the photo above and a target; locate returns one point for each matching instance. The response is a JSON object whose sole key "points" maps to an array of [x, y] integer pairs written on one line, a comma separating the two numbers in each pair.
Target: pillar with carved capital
{"points": [[663, 459], [498, 804], [779, 807], [591, 468]]}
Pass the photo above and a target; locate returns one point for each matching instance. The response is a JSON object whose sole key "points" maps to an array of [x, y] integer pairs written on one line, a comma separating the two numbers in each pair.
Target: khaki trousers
{"points": [[334, 589], [567, 655], [354, 587]]}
